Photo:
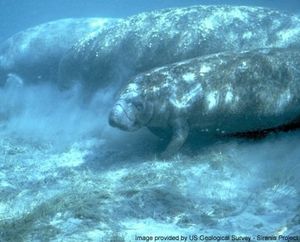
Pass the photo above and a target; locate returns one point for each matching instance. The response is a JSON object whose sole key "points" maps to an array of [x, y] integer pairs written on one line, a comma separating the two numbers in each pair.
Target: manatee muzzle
{"points": [[122, 116]]}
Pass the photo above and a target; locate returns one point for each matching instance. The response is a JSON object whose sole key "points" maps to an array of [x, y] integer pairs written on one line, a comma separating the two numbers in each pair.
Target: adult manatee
{"points": [[34, 53], [222, 93], [157, 38]]}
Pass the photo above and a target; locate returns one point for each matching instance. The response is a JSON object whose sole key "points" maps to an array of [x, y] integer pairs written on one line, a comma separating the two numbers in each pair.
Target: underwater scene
{"points": [[135, 120]]}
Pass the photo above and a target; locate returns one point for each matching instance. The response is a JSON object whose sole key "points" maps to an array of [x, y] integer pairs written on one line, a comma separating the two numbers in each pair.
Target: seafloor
{"points": [[66, 176]]}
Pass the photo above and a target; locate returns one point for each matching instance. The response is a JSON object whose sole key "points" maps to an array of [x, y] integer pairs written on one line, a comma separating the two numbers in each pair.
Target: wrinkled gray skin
{"points": [[34, 54], [152, 39], [223, 93]]}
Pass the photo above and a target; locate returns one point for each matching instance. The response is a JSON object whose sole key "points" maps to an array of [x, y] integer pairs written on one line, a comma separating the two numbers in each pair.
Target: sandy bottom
{"points": [[104, 185]]}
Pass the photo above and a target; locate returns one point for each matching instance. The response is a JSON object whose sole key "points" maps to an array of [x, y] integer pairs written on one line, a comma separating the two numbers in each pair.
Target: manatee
{"points": [[152, 39], [224, 93], [34, 54]]}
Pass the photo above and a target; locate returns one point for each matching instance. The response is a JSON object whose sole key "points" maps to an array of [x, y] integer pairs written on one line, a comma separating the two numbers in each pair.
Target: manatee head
{"points": [[132, 111]]}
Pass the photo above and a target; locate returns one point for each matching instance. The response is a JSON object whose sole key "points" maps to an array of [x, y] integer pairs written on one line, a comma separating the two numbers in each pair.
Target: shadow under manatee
{"points": [[119, 149]]}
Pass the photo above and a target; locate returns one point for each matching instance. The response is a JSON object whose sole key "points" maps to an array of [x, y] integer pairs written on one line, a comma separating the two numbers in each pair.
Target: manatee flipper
{"points": [[180, 133]]}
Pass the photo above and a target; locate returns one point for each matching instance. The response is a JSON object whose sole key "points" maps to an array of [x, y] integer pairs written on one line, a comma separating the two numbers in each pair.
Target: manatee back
{"points": [[157, 38], [231, 91], [35, 53]]}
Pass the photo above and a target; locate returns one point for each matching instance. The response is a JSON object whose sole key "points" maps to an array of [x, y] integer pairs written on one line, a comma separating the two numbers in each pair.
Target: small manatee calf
{"points": [[34, 54], [223, 93]]}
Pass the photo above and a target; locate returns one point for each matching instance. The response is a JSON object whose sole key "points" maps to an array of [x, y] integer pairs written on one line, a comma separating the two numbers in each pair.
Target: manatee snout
{"points": [[115, 116], [122, 116]]}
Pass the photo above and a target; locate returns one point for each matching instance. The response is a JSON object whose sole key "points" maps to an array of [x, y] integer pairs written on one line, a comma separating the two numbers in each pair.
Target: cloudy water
{"points": [[67, 175]]}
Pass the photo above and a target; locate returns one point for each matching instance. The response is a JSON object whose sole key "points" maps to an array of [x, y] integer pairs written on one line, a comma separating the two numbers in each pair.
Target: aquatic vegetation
{"points": [[226, 187]]}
